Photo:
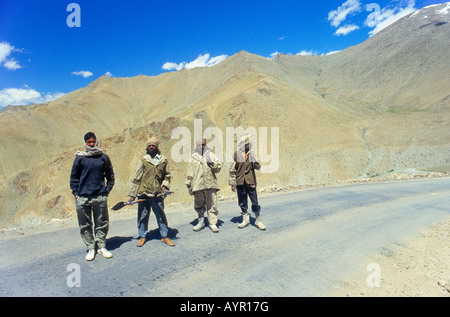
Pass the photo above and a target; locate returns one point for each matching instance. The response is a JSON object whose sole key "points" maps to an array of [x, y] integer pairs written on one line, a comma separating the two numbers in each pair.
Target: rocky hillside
{"points": [[371, 109]]}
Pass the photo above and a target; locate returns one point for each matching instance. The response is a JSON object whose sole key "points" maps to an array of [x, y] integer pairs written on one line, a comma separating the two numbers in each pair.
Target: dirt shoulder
{"points": [[420, 269]]}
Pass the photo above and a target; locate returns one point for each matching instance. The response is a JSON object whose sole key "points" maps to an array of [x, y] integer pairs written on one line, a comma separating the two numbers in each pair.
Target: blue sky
{"points": [[42, 55]]}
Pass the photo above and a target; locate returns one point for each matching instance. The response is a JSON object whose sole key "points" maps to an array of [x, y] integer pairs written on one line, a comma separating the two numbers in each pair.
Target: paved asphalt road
{"points": [[315, 240]]}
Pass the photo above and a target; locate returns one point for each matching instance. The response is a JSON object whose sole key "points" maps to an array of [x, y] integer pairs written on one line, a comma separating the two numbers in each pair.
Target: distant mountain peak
{"points": [[435, 9]]}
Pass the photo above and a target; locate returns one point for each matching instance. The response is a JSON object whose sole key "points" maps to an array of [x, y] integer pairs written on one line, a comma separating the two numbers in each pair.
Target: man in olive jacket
{"points": [[242, 179], [151, 181], [201, 182]]}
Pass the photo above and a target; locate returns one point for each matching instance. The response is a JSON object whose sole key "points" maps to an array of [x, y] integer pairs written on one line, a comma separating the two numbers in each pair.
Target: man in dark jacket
{"points": [[87, 180], [243, 180]]}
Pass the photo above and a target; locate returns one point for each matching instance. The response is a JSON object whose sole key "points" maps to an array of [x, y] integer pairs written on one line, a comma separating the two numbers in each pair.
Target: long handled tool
{"points": [[122, 204]]}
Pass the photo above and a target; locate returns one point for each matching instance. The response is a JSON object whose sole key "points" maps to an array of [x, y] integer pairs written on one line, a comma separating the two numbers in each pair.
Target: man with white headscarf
{"points": [[87, 180], [243, 180]]}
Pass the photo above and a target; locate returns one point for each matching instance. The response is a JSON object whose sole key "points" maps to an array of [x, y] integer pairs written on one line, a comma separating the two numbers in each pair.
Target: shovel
{"points": [[122, 204]]}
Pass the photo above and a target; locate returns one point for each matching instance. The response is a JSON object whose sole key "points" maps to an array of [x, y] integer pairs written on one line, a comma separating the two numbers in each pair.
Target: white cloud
{"points": [[215, 60], [25, 96], [340, 14], [306, 53], [274, 54], [83, 73], [382, 18], [173, 66], [6, 50], [344, 30], [11, 64], [301, 53], [378, 19], [108, 74], [332, 52], [201, 61]]}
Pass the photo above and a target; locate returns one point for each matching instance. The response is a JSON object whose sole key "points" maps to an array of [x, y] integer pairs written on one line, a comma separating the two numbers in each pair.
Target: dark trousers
{"points": [[245, 191]]}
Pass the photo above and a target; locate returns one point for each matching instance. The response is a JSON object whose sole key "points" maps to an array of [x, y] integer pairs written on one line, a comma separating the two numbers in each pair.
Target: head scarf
{"points": [[90, 150], [153, 141], [244, 140]]}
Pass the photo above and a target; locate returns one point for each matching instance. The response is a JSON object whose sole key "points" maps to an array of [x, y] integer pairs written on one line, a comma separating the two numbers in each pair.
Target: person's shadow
{"points": [[155, 235], [195, 221], [238, 220], [115, 242]]}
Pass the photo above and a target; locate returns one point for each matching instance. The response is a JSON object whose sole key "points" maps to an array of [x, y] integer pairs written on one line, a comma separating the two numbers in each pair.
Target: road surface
{"points": [[315, 240]]}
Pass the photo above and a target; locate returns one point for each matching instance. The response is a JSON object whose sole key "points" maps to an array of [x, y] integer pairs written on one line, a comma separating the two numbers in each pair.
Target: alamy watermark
{"points": [[74, 278], [374, 278], [74, 18], [224, 145]]}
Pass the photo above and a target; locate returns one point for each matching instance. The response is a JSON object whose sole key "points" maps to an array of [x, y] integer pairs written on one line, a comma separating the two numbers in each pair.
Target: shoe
{"points": [[168, 242], [141, 242], [200, 224], [105, 253], [90, 255], [258, 223], [245, 221], [214, 228]]}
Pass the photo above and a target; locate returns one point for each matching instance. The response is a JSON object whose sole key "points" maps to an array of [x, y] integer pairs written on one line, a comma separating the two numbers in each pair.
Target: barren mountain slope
{"points": [[404, 67], [109, 105]]}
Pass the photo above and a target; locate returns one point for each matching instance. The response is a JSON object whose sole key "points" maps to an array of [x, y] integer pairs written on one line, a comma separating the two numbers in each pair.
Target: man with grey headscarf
{"points": [[87, 180], [243, 180]]}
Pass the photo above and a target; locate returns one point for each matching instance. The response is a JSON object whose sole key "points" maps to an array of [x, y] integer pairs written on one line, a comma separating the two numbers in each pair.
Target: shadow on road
{"points": [[115, 242], [195, 221], [155, 235], [238, 220]]}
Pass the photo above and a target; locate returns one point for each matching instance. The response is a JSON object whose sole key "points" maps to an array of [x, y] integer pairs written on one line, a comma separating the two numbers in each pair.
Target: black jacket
{"points": [[87, 178]]}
